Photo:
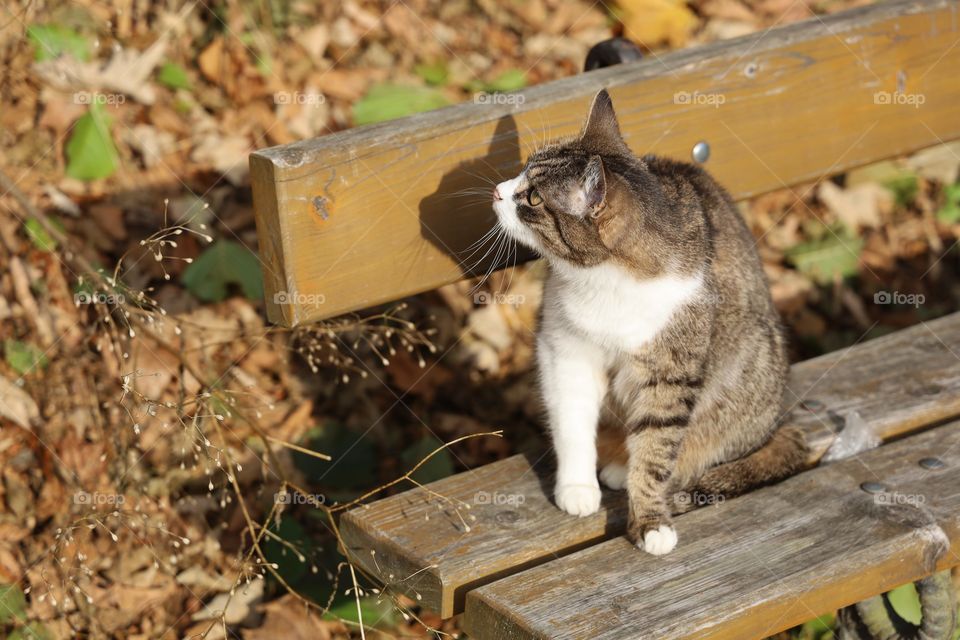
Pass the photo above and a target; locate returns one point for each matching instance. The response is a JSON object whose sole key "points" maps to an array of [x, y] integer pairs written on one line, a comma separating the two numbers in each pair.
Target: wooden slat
{"points": [[897, 383], [753, 566], [368, 215]]}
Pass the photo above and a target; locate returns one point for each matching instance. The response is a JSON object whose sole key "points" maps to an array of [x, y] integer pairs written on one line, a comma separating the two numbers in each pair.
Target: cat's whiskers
{"points": [[513, 267], [499, 242], [511, 252], [531, 146], [497, 172], [480, 176], [482, 195], [476, 244], [489, 236]]}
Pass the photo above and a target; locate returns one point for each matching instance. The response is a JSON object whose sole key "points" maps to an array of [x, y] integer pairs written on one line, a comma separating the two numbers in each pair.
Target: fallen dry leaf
{"points": [[16, 405], [314, 40], [151, 143], [940, 163], [861, 207], [227, 154], [287, 618], [127, 72], [652, 22], [236, 609]]}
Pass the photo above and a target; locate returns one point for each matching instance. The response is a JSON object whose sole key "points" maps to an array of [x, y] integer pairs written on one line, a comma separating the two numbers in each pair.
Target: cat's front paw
{"points": [[578, 499], [660, 541]]}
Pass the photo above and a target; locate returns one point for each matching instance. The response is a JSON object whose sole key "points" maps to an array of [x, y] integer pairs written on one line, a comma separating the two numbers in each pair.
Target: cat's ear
{"points": [[593, 187], [601, 133]]}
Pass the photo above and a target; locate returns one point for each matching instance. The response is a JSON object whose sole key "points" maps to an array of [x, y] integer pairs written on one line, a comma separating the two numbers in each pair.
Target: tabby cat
{"points": [[657, 324]]}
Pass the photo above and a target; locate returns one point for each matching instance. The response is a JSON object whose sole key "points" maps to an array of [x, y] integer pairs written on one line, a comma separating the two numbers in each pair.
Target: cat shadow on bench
{"points": [[456, 217]]}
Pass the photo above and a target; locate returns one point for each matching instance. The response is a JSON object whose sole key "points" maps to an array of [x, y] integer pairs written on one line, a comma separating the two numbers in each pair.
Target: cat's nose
{"points": [[496, 194]]}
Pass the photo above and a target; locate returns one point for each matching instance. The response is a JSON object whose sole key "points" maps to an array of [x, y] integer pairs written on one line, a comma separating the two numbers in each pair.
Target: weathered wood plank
{"points": [[897, 384], [371, 214], [752, 566]]}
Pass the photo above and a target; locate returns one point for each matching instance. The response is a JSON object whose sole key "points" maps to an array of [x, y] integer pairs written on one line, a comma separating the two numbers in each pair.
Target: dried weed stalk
{"points": [[209, 423]]}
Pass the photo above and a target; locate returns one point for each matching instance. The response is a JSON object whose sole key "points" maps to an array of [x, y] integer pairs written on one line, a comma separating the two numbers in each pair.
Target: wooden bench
{"points": [[364, 216]]}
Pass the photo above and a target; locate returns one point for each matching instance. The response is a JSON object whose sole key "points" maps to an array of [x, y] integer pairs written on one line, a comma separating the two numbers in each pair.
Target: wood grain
{"points": [[752, 566], [897, 383], [372, 214]]}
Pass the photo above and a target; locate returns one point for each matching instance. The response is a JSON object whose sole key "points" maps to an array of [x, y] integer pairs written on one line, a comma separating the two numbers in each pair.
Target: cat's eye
{"points": [[533, 198]]}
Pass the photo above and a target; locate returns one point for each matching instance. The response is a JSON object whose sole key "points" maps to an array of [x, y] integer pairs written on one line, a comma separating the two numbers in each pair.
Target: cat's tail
{"points": [[784, 454]]}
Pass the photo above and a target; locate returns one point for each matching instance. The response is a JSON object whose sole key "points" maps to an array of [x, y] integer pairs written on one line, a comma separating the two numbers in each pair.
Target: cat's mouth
{"points": [[505, 206]]}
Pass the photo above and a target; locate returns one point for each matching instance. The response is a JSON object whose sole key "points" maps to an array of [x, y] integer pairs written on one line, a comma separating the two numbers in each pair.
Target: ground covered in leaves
{"points": [[163, 450]]}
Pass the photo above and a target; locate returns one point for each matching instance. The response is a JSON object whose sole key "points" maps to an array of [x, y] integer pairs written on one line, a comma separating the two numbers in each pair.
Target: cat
{"points": [[657, 320]]}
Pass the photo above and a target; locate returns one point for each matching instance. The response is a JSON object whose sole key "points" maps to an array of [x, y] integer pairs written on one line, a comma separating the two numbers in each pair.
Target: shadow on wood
{"points": [[459, 213]]}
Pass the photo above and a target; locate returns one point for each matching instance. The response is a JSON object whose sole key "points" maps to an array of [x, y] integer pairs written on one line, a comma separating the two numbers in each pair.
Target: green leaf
{"points": [[376, 611], [13, 604], [39, 236], [949, 214], [906, 603], [437, 467], [354, 459], [288, 563], [950, 211], [435, 74], [904, 188], [388, 101], [174, 76], [223, 264], [51, 41], [836, 254], [90, 150], [817, 629], [32, 631], [23, 357], [509, 80]]}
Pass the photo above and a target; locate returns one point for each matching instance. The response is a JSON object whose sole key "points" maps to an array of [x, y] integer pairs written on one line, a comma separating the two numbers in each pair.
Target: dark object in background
{"points": [[610, 52]]}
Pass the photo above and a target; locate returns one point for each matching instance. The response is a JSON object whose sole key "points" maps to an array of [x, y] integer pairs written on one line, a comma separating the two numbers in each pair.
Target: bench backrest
{"points": [[369, 215]]}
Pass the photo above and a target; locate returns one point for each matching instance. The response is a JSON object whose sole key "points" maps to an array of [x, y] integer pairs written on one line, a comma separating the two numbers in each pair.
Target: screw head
{"points": [[873, 487], [701, 152], [932, 463]]}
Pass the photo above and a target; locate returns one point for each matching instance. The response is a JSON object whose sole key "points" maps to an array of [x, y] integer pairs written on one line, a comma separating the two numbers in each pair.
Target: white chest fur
{"points": [[614, 308]]}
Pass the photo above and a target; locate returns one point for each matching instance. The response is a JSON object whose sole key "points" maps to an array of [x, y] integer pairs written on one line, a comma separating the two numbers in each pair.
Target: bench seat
{"points": [[752, 566], [457, 534]]}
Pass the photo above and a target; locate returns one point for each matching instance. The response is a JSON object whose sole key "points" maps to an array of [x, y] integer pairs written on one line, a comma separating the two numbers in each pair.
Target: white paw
{"points": [[660, 541], [578, 499], [614, 476]]}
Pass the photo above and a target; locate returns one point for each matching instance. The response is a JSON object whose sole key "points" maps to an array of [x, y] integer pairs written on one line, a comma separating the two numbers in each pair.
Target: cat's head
{"points": [[577, 200]]}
